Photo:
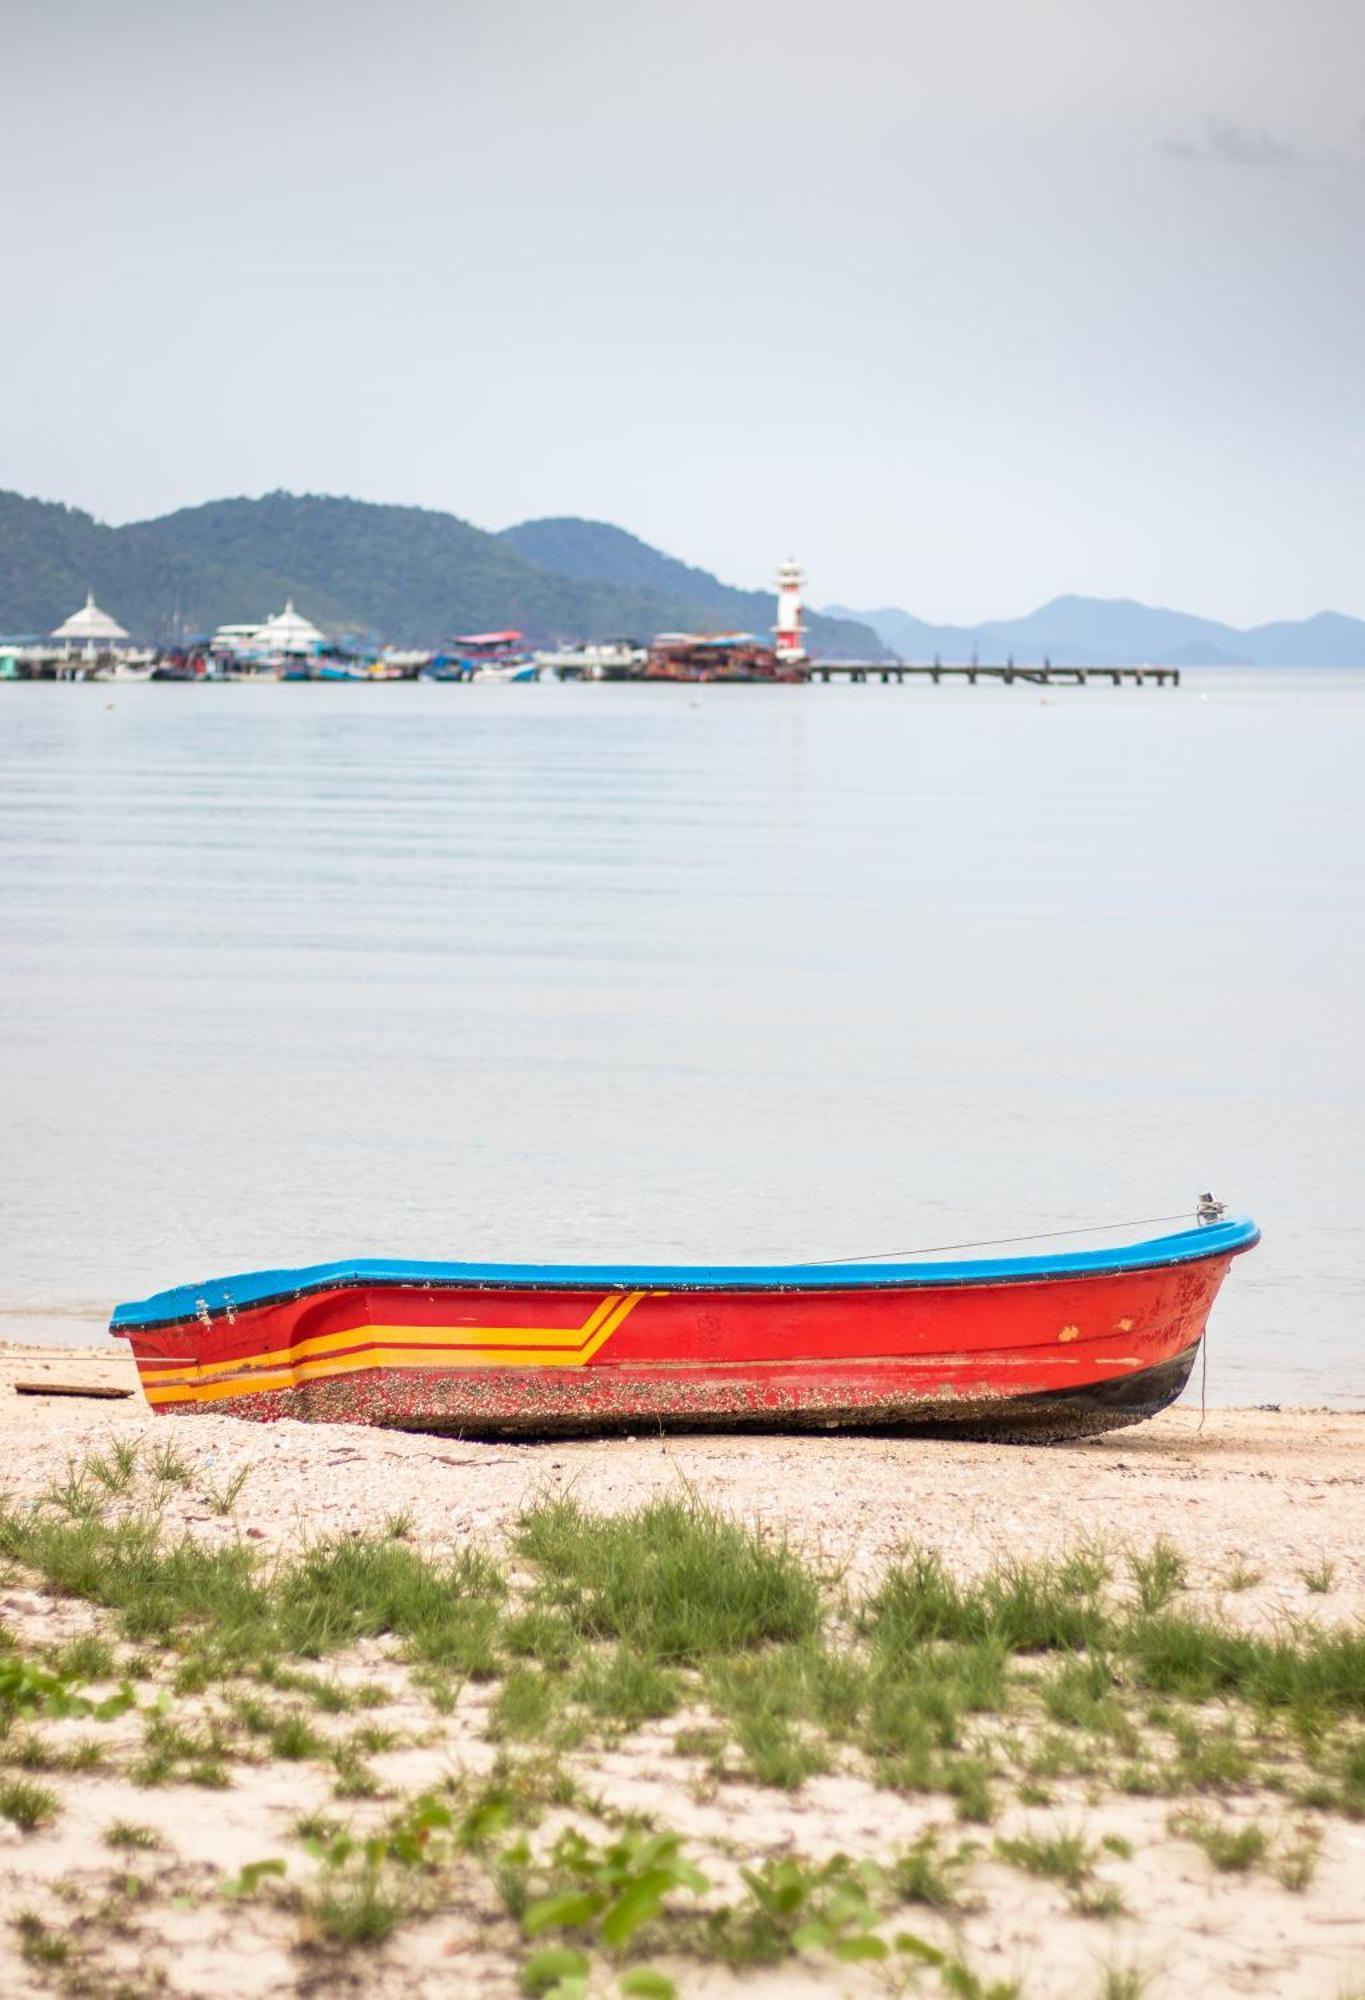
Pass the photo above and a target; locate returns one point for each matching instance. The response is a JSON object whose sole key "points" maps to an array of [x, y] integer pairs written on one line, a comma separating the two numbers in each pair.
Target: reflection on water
{"points": [[296, 972]]}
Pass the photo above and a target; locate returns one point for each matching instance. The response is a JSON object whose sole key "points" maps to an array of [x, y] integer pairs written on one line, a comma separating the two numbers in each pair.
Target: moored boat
{"points": [[1043, 1347]]}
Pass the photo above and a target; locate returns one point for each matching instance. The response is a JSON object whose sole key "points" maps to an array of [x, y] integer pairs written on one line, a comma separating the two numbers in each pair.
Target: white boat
{"points": [[126, 667], [599, 660], [507, 671]]}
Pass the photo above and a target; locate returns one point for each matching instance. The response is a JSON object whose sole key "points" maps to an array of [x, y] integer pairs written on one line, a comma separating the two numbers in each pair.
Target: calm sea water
{"points": [[290, 973]]}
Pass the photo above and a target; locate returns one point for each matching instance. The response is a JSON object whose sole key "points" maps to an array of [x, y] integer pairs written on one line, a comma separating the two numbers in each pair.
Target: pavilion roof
{"points": [[90, 623]]}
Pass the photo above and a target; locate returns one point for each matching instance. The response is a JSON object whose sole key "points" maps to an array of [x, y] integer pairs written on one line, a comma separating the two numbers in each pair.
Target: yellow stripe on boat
{"points": [[441, 1347]]}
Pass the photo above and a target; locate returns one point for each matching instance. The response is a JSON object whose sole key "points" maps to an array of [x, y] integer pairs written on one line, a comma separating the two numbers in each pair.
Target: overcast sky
{"points": [[965, 304]]}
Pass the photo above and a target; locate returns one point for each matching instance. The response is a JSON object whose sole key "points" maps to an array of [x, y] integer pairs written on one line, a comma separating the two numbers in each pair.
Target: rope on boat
{"points": [[993, 1242]]}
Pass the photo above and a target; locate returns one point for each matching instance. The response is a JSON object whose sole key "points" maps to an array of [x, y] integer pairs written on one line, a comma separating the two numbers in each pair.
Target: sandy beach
{"points": [[1263, 1505]]}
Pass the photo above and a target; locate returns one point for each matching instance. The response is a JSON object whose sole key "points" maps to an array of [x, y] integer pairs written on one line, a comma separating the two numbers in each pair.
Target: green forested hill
{"points": [[596, 552], [406, 574]]}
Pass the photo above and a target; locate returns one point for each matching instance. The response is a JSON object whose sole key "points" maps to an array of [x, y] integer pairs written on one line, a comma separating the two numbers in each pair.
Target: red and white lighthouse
{"points": [[790, 634]]}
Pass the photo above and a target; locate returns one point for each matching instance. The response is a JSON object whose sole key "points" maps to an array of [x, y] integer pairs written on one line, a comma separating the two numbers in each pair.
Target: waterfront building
{"points": [[90, 630], [288, 633], [234, 638]]}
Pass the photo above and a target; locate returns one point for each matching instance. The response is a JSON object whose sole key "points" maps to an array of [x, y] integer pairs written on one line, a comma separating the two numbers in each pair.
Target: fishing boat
{"points": [[1043, 1346]]}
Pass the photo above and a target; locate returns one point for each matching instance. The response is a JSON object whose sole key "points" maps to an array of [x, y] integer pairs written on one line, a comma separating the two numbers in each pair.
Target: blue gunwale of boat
{"points": [[252, 1288]]}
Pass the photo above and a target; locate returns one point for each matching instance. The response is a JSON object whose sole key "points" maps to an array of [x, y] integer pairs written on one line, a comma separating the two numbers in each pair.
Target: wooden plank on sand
{"points": [[101, 1389]]}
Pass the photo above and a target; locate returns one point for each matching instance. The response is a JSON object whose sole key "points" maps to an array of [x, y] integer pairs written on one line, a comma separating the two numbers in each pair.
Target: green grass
{"points": [[1232, 1850], [1296, 1865], [27, 1806], [542, 1635], [1031, 1676], [1158, 1575], [291, 1738], [221, 1499], [37, 1944], [181, 1753], [1019, 1608], [31, 1752], [357, 1907], [446, 1608], [372, 1741], [1351, 1776], [1210, 1757], [1062, 1857], [116, 1469], [229, 1609], [127, 1837], [1319, 1576], [621, 1686], [168, 1468], [1122, 1982], [925, 1874], [88, 1658], [679, 1581]]}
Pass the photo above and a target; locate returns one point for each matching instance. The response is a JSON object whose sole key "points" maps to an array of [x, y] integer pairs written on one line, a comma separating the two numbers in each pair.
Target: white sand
{"points": [[1275, 1492]]}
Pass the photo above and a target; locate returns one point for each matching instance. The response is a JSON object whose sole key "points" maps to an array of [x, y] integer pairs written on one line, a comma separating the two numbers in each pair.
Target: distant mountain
{"points": [[595, 552], [415, 576], [406, 574], [1121, 632]]}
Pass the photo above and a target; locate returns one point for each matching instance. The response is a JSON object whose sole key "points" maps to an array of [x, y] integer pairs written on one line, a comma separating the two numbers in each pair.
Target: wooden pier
{"points": [[1038, 675]]}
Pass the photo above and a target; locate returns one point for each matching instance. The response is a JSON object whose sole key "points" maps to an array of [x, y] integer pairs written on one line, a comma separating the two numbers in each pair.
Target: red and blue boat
{"points": [[1045, 1347]]}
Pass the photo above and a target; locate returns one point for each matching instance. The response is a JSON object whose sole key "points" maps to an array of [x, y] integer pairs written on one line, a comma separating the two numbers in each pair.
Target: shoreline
{"points": [[1242, 1484]]}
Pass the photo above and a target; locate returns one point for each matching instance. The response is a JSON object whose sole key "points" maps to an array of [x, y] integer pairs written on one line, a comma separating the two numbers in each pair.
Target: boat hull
{"points": [[496, 1353]]}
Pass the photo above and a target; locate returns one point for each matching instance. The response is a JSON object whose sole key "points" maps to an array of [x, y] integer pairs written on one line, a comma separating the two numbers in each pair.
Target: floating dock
{"points": [[1044, 675]]}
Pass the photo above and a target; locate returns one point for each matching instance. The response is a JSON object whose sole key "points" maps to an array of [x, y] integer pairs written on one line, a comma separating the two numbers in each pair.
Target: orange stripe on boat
{"points": [[389, 1347]]}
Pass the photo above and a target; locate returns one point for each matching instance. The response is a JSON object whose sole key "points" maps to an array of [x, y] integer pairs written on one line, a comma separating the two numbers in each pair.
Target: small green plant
{"points": [[291, 1738], [88, 1658], [1210, 1759], [1098, 1899], [75, 1496], [925, 1874], [28, 1690], [168, 1468], [37, 1944], [126, 1836], [529, 1706], [624, 1687], [372, 1741], [700, 1742], [115, 1469], [1122, 1982], [357, 1909], [256, 1716], [27, 1806], [1241, 1576], [223, 1498], [238, 1887], [175, 1752], [1232, 1850], [1319, 1576], [968, 1781], [605, 1895], [401, 1525], [1064, 1857], [1295, 1866], [1158, 1575], [354, 1778], [31, 1753]]}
